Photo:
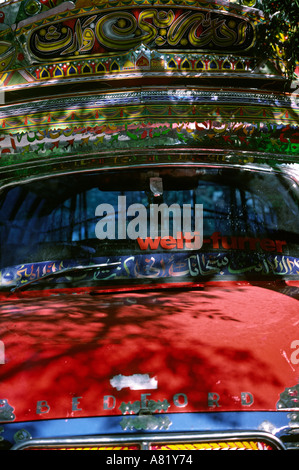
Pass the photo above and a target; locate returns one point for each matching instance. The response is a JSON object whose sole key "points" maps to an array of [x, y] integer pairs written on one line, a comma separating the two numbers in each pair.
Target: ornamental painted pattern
{"points": [[194, 122], [68, 30], [82, 42], [123, 30]]}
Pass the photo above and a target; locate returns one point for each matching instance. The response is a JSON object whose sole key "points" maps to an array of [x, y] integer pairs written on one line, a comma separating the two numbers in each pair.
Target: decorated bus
{"points": [[149, 226]]}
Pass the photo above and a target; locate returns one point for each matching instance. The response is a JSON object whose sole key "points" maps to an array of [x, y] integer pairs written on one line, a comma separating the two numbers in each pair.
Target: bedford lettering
{"points": [[110, 402]]}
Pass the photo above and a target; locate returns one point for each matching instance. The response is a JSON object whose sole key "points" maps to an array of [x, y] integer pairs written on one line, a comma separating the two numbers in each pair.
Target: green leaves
{"points": [[280, 38]]}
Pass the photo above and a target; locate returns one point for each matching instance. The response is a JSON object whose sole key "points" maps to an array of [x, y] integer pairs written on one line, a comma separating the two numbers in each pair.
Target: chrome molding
{"points": [[142, 166], [145, 440]]}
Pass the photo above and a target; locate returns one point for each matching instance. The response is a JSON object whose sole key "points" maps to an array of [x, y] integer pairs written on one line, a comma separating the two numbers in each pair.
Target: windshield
{"points": [[150, 223]]}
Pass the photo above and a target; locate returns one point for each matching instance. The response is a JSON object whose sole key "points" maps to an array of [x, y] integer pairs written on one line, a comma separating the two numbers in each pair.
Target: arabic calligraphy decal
{"points": [[163, 265], [163, 29]]}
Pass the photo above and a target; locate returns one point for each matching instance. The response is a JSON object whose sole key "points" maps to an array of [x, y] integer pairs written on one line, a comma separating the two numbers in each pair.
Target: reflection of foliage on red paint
{"points": [[223, 341]]}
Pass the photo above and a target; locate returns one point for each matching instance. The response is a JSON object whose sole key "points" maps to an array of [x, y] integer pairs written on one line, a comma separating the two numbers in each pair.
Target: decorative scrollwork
{"points": [[163, 29]]}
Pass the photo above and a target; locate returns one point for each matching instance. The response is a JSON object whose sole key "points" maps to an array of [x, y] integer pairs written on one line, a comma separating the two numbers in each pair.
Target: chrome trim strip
{"points": [[145, 439], [139, 166]]}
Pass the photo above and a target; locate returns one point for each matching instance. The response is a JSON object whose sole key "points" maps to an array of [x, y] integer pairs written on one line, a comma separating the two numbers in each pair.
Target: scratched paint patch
{"points": [[134, 382]]}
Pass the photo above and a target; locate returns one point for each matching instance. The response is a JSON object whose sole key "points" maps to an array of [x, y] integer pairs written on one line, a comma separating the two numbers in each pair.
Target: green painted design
{"points": [[155, 119], [64, 115], [23, 146]]}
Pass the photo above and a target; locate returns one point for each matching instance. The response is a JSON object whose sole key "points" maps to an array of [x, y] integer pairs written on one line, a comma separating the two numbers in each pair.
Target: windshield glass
{"points": [[157, 223]]}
